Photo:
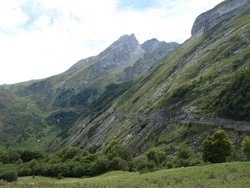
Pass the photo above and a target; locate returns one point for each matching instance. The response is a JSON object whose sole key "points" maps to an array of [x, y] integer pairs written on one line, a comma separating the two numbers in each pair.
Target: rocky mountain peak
{"points": [[160, 47], [125, 45], [150, 45], [120, 53], [131, 39], [226, 10]]}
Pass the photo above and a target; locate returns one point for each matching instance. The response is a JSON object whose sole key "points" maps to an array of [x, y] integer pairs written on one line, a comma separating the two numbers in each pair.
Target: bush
{"points": [[59, 177], [185, 152], [53, 159], [217, 148], [101, 165], [156, 156], [27, 155], [169, 164], [234, 100], [118, 163], [246, 146], [182, 162], [70, 153], [117, 150], [24, 171], [10, 156], [142, 165], [9, 176]]}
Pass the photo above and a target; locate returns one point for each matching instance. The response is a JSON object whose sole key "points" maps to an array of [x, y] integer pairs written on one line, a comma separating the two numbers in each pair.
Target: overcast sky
{"points": [[40, 38]]}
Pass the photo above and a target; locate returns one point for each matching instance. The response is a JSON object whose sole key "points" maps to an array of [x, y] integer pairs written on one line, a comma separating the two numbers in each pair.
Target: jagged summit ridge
{"points": [[220, 13], [161, 47], [154, 51], [125, 52], [125, 49], [126, 43]]}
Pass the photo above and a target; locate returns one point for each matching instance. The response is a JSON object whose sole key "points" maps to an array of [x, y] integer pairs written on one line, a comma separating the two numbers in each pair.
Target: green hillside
{"points": [[138, 108], [199, 86], [42, 111], [228, 175], [205, 80]]}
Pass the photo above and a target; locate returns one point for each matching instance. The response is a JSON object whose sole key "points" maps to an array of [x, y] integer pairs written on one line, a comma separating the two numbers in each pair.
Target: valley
{"points": [[138, 108]]}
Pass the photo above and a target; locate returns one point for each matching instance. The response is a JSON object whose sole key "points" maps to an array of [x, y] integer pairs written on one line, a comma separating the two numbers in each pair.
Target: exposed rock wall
{"points": [[220, 13]]}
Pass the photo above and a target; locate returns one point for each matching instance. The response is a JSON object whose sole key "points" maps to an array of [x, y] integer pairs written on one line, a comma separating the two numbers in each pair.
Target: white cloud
{"points": [[11, 15], [42, 21], [51, 35]]}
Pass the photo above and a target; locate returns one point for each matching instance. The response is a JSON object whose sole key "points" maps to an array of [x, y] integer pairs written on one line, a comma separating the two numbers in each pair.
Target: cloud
{"points": [[11, 15], [40, 38], [137, 5]]}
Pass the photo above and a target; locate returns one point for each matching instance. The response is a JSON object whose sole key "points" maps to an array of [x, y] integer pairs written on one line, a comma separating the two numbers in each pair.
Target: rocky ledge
{"points": [[218, 14]]}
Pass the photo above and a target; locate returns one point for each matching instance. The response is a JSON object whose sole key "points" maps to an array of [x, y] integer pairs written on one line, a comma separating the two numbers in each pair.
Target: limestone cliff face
{"points": [[220, 13]]}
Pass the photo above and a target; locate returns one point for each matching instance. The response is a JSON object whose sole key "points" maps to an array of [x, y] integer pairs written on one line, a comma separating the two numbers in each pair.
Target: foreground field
{"points": [[233, 175]]}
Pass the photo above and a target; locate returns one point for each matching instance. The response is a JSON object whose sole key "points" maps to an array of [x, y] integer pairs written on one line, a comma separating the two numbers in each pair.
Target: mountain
{"points": [[40, 110], [137, 95], [154, 52], [199, 86], [217, 15]]}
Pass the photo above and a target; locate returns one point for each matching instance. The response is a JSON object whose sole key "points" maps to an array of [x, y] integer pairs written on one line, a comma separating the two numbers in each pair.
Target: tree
{"points": [[70, 153], [118, 163], [117, 150], [246, 146], [9, 176], [217, 148], [9, 156], [185, 152], [101, 165], [27, 155], [156, 156]]}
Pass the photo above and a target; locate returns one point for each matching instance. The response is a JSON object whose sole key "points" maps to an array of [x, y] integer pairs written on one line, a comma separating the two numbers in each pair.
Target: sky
{"points": [[41, 38]]}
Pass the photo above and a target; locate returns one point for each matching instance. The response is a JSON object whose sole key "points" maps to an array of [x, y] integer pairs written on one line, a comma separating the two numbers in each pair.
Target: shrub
{"points": [[70, 153], [169, 164], [182, 162], [59, 177], [142, 165], [118, 163], [217, 148], [184, 152], [117, 150], [156, 156], [101, 165], [246, 146], [27, 155], [9, 176], [234, 100], [24, 171], [10, 156], [53, 159], [152, 156]]}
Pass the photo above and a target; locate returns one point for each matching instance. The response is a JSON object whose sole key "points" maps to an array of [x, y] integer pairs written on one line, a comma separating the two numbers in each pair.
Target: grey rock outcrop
{"points": [[125, 48], [154, 51], [159, 48], [122, 52], [217, 15]]}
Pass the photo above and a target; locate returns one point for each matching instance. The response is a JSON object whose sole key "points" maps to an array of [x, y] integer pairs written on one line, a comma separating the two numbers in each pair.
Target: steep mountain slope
{"points": [[205, 79], [123, 94], [38, 111], [154, 52]]}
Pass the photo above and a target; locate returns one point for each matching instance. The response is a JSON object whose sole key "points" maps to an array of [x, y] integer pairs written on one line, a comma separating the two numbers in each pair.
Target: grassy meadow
{"points": [[234, 174]]}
